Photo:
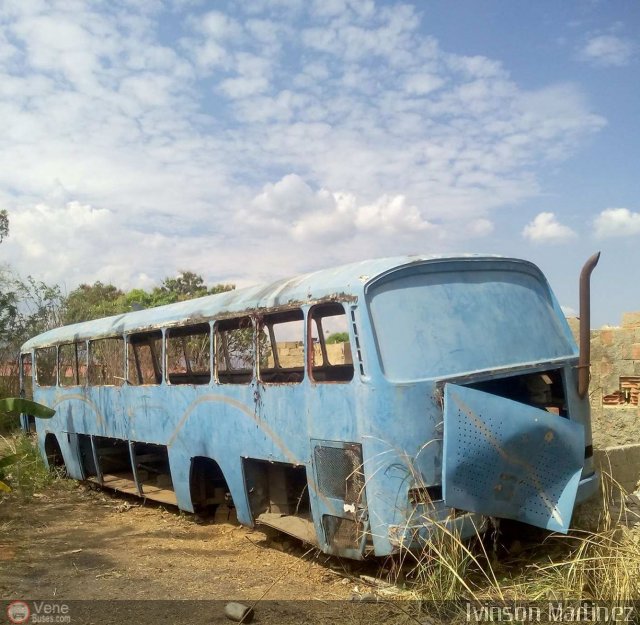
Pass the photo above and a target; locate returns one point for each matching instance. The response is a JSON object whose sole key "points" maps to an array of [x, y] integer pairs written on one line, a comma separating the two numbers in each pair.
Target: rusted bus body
{"points": [[458, 400]]}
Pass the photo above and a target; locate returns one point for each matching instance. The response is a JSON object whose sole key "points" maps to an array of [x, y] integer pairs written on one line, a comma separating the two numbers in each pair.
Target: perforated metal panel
{"points": [[509, 460], [339, 472]]}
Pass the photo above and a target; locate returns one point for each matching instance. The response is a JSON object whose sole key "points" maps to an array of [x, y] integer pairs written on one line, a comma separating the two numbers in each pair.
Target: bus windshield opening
{"points": [[431, 325]]}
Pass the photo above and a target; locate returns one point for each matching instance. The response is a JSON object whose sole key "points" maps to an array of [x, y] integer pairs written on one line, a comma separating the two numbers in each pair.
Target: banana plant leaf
{"points": [[7, 460], [17, 405]]}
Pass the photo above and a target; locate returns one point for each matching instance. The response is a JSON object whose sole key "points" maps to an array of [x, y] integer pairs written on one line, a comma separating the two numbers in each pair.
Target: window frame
{"points": [[23, 377], [55, 371], [157, 360], [76, 364], [295, 314], [312, 320], [216, 373], [89, 344], [183, 329]]}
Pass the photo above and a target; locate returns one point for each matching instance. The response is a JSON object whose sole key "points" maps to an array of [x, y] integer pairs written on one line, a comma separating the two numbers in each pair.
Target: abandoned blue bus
{"points": [[356, 408]]}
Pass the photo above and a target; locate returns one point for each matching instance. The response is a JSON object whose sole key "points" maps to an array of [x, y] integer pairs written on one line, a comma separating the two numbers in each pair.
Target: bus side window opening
{"points": [[26, 389], [26, 364], [281, 348], [330, 357], [106, 362], [144, 356], [234, 351], [72, 364], [188, 354], [46, 366]]}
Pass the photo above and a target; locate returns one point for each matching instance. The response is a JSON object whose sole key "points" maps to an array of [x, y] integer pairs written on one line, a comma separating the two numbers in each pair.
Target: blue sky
{"points": [[252, 140]]}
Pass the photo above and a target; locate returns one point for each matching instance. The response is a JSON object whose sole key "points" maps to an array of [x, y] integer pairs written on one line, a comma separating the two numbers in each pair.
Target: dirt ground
{"points": [[73, 542]]}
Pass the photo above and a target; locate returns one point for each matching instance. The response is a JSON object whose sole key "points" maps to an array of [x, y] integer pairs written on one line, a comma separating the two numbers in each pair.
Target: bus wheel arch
{"points": [[53, 453], [208, 486]]}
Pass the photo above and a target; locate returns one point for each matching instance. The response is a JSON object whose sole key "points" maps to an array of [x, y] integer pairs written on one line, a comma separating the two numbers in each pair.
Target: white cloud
{"points": [[617, 222], [421, 83], [545, 228], [252, 78], [607, 51], [292, 208], [289, 198], [391, 216], [480, 227], [69, 243], [59, 240], [264, 130], [218, 25]]}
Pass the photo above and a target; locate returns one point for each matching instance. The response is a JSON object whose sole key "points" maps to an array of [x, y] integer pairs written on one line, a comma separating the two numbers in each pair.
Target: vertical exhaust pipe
{"points": [[584, 361]]}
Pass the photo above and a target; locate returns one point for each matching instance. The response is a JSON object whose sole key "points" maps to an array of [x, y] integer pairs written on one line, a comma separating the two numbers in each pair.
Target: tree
{"points": [[221, 288], [41, 307], [93, 301], [337, 337], [8, 299], [27, 308], [188, 285], [4, 224], [8, 304], [139, 299]]}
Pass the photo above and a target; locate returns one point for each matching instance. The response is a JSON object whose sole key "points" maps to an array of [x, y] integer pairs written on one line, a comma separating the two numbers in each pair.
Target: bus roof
{"points": [[343, 282]]}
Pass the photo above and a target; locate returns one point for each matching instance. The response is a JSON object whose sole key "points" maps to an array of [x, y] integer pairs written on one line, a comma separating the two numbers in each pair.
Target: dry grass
{"points": [[600, 563], [448, 568], [597, 561]]}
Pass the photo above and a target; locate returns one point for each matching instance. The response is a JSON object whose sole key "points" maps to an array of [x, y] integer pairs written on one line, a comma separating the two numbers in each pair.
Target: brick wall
{"points": [[615, 381]]}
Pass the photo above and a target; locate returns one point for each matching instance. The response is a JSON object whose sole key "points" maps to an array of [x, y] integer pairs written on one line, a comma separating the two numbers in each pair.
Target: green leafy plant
{"points": [[14, 406], [337, 337], [6, 462]]}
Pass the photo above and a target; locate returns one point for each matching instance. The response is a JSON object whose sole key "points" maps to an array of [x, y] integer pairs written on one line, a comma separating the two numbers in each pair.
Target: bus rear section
{"points": [[480, 370]]}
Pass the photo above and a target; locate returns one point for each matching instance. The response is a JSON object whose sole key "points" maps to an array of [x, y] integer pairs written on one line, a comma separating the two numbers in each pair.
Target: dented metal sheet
{"points": [[510, 460]]}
